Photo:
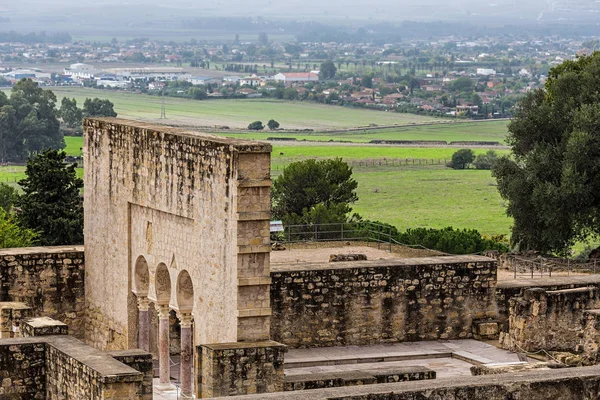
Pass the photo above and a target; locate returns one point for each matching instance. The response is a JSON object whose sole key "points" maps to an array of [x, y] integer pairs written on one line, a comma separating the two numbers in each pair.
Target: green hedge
{"points": [[450, 240]]}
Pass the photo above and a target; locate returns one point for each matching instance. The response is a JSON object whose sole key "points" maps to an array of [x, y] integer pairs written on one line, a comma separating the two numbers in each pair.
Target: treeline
{"points": [[33, 37]]}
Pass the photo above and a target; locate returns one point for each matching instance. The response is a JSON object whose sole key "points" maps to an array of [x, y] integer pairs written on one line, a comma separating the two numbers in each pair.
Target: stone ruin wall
{"points": [[552, 320], [362, 303], [192, 202], [50, 280]]}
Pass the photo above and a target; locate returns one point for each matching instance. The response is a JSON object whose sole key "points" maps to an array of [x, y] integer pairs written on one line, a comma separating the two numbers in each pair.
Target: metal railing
{"points": [[350, 231], [523, 267]]}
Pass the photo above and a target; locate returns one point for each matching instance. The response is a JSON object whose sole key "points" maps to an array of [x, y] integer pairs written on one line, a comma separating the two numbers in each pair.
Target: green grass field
{"points": [[239, 113], [432, 197], [492, 131]]}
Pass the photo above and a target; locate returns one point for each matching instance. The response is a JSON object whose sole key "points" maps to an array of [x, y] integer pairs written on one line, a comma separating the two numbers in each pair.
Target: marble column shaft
{"points": [[164, 365], [186, 362], [143, 323]]}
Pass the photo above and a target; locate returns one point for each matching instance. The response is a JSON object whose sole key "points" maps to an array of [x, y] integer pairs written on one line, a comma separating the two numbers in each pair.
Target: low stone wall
{"points": [[383, 301], [22, 369], [62, 367], [50, 280], [229, 369], [140, 361], [563, 384], [551, 320]]}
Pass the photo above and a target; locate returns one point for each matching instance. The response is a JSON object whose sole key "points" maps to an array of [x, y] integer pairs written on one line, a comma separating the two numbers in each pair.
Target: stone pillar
{"points": [[164, 367], [186, 362], [143, 323]]}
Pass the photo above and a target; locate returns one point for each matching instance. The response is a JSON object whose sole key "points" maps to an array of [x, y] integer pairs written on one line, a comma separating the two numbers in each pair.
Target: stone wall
{"points": [[564, 384], [22, 369], [164, 199], [231, 369], [50, 280], [140, 361], [384, 301], [549, 319]]}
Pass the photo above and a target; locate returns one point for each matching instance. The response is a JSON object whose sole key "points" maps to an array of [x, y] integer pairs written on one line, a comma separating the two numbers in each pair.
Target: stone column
{"points": [[186, 362], [143, 323], [164, 366]]}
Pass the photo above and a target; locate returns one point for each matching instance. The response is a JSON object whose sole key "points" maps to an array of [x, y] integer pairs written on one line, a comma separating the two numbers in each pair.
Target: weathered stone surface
{"points": [[382, 301], [12, 315], [140, 361], [230, 369], [50, 280], [43, 326], [22, 370], [192, 204], [549, 320], [347, 257], [496, 369], [563, 384]]}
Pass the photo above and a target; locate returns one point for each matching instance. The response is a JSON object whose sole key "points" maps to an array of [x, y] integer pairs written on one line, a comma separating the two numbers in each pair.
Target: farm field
{"points": [[489, 131], [432, 197], [239, 113]]}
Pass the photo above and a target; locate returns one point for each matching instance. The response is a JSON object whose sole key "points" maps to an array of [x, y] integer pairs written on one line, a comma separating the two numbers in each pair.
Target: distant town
{"points": [[471, 78]]}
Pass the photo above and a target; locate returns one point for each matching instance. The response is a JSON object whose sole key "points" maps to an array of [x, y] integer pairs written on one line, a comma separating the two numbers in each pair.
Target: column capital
{"points": [[143, 303], [185, 319], [163, 310]]}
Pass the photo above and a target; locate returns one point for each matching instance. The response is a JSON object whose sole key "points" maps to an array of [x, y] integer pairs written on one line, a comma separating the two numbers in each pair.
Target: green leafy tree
{"points": [[272, 124], [552, 180], [98, 108], [309, 189], [462, 158], [51, 200], [13, 235], [28, 122], [8, 197], [327, 70], [71, 115], [462, 84], [256, 126], [487, 160]]}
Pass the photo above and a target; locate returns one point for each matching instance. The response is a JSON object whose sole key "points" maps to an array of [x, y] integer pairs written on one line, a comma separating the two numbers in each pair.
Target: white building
{"points": [[80, 71], [292, 77], [486, 71]]}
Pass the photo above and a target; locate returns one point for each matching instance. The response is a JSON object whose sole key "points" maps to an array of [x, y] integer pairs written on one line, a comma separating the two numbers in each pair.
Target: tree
{"points": [[552, 180], [272, 124], [367, 80], [51, 200], [256, 126], [12, 235], [71, 115], [327, 70], [263, 39], [487, 160], [462, 84], [8, 197], [28, 122], [98, 108], [462, 158], [310, 188]]}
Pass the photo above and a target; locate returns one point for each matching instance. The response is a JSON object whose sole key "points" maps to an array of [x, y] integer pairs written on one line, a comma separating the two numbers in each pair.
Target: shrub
{"points": [[450, 240], [486, 161], [256, 126], [461, 159], [272, 124]]}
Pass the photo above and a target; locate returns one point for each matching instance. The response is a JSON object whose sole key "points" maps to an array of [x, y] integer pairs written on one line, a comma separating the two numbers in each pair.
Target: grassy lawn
{"points": [[492, 131], [239, 113], [74, 145], [431, 197]]}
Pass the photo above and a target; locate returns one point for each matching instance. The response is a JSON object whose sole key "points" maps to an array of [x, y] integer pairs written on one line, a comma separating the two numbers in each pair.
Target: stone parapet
{"points": [[140, 361], [381, 301], [43, 326], [50, 280], [12, 314], [229, 369]]}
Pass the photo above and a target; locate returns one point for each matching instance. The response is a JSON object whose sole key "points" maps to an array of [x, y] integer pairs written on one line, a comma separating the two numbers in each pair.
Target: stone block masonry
{"points": [[231, 369], [383, 301], [551, 320], [140, 361], [62, 367], [170, 211], [50, 280]]}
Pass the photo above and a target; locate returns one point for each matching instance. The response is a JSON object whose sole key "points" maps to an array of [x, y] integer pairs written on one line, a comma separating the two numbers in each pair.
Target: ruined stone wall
{"points": [[563, 384], [22, 370], [140, 361], [551, 320], [384, 301], [231, 369], [191, 202], [50, 280]]}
